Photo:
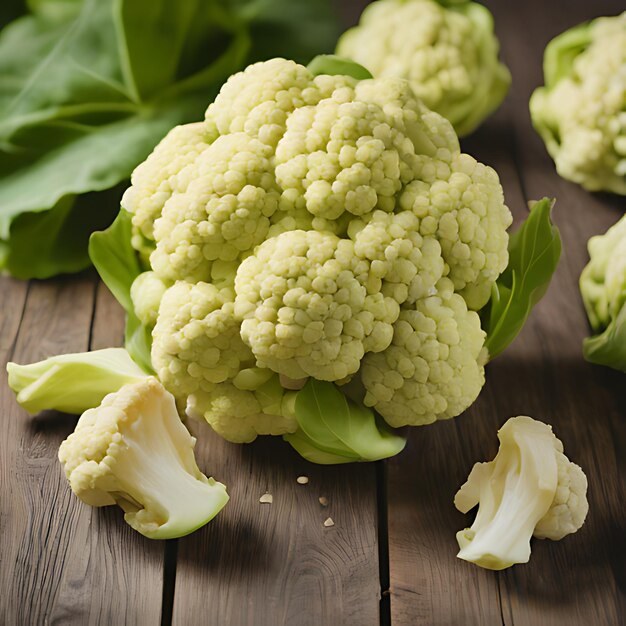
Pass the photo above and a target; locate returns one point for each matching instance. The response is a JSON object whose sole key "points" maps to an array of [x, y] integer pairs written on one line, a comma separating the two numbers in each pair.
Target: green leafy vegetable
{"points": [[534, 252], [116, 261], [334, 429], [334, 65], [87, 88], [609, 347], [72, 383]]}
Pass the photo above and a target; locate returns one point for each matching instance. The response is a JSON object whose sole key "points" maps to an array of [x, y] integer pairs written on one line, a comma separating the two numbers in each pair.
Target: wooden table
{"points": [[390, 557]]}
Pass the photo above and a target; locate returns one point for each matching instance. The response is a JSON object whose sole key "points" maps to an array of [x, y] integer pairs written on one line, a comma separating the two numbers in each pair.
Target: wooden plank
{"points": [[428, 583], [268, 564], [63, 562], [579, 580], [542, 373]]}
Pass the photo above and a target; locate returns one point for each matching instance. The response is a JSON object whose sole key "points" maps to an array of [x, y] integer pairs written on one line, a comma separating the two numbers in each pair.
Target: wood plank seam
{"points": [[11, 351], [383, 544]]}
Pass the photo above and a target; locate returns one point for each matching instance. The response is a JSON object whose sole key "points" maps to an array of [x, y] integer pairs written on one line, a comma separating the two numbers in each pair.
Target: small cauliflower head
{"points": [[311, 217], [603, 280], [603, 289], [134, 451], [448, 54], [581, 112], [530, 488]]}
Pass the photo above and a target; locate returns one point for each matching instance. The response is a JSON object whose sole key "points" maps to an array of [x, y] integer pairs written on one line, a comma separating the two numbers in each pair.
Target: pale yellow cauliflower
{"points": [[581, 112], [312, 224], [449, 54], [529, 489]]}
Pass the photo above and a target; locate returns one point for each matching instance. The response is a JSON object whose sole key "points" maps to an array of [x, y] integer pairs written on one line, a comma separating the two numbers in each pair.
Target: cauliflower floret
{"points": [[448, 54], [169, 169], [342, 155], [146, 293], [404, 265], [196, 342], [134, 451], [569, 508], [305, 312], [434, 367], [259, 100], [224, 212], [580, 113], [530, 488], [462, 204], [239, 415]]}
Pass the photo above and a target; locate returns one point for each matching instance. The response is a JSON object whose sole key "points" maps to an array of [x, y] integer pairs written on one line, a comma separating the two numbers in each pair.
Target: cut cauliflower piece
{"points": [[569, 508], [224, 212], [240, 415], [305, 312], [196, 342], [134, 451], [449, 55], [434, 367], [72, 383], [530, 488], [581, 112]]}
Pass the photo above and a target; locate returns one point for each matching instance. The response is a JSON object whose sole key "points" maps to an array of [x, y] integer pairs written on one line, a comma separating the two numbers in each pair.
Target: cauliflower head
{"points": [[449, 54], [300, 231], [581, 112], [530, 488], [134, 451], [603, 289]]}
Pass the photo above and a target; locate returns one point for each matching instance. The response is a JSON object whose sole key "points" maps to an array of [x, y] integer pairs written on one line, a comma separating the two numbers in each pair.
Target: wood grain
{"points": [[62, 562], [271, 564], [581, 579], [268, 564]]}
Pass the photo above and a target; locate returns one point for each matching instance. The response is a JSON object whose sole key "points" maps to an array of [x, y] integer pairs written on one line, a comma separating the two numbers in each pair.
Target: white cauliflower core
{"points": [[134, 451], [530, 488], [309, 217]]}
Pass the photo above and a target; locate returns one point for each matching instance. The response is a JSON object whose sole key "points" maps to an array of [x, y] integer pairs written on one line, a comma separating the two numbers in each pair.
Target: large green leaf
{"points": [[534, 252], [334, 429], [61, 235], [88, 87], [294, 29]]}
